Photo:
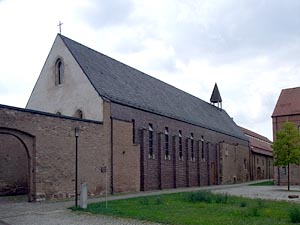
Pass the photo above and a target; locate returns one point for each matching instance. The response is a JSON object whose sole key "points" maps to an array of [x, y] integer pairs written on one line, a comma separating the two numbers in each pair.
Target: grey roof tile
{"points": [[123, 84]]}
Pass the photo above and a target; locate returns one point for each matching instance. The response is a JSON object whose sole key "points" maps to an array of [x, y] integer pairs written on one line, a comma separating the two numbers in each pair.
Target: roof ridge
{"points": [[151, 77], [123, 84], [254, 134]]}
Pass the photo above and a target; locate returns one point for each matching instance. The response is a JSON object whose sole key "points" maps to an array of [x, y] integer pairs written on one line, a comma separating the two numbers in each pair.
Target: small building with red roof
{"points": [[260, 155], [287, 109]]}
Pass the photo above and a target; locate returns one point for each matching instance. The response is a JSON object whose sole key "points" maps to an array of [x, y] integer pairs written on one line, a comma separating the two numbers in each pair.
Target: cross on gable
{"points": [[59, 25]]}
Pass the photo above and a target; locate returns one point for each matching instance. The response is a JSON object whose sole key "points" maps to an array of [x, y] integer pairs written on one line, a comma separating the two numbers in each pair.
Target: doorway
{"points": [[16, 174]]}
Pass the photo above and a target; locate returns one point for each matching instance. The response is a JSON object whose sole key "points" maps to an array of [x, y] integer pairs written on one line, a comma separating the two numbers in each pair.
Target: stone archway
{"points": [[16, 163]]}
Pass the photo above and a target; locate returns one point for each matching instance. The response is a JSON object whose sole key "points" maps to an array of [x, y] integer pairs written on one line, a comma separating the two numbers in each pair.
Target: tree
{"points": [[287, 147]]}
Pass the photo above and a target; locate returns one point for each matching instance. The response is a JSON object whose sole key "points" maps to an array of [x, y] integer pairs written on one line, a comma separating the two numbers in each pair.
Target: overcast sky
{"points": [[251, 48]]}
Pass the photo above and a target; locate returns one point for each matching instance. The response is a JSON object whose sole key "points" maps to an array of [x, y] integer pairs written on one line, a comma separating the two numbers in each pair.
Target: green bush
{"points": [[221, 198], [200, 196], [294, 214], [158, 200], [251, 212], [243, 204], [261, 203], [207, 197], [144, 201]]}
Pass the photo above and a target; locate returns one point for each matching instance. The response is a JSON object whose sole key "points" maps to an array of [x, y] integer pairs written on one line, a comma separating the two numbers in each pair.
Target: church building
{"points": [[132, 132]]}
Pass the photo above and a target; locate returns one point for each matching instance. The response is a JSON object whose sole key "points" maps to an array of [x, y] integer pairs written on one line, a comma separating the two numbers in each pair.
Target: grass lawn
{"points": [[199, 208], [264, 183]]}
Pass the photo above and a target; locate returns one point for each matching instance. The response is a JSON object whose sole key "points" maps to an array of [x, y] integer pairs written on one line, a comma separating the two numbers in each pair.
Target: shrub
{"points": [[260, 203], [294, 214], [243, 204], [144, 201], [207, 197], [158, 200], [221, 198], [200, 196], [251, 212]]}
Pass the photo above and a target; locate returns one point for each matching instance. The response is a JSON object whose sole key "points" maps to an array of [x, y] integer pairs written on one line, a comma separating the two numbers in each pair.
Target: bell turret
{"points": [[216, 97]]}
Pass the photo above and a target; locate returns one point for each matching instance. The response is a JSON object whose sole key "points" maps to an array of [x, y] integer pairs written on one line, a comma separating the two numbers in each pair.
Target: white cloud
{"points": [[250, 48]]}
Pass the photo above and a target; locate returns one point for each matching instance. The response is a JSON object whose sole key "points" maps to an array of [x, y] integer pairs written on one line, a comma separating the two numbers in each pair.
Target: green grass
{"points": [[202, 208], [264, 183]]}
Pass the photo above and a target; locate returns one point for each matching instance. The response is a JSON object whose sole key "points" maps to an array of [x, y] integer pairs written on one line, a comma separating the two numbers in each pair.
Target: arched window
{"points": [[167, 153], [202, 148], [150, 137], [180, 145], [59, 71], [78, 114], [192, 147], [58, 113]]}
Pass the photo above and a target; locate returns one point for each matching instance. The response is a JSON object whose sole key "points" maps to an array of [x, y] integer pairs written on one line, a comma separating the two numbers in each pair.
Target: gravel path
{"points": [[24, 213], [279, 193], [18, 212]]}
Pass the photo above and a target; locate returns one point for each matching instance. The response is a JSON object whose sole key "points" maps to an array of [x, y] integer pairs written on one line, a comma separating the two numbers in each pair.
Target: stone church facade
{"points": [[136, 133]]}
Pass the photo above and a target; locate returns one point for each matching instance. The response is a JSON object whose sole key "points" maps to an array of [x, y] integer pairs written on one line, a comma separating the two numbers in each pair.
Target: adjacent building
{"points": [[287, 109], [261, 156]]}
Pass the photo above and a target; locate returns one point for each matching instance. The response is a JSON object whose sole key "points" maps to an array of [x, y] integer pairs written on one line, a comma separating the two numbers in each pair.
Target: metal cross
{"points": [[59, 25]]}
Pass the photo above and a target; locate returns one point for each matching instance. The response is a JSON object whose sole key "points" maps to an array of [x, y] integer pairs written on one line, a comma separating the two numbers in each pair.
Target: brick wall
{"points": [[126, 158], [280, 173], [52, 159], [14, 169], [160, 172], [262, 167], [234, 168]]}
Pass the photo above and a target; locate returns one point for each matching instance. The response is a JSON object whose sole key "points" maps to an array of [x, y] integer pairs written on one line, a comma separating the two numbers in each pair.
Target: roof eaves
{"points": [[121, 102]]}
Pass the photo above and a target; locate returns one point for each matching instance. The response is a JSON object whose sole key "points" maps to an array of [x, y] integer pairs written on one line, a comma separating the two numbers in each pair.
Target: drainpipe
{"points": [[111, 156], [76, 164]]}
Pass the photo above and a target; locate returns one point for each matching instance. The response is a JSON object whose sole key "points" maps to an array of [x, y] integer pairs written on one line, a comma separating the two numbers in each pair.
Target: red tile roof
{"points": [[288, 102], [258, 143], [256, 135]]}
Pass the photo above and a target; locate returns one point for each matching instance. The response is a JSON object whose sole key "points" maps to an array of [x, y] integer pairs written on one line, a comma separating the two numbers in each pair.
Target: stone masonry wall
{"points": [[235, 163], [13, 166], [53, 159]]}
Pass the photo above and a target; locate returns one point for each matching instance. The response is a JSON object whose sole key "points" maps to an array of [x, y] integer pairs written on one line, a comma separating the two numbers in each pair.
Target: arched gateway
{"points": [[16, 163]]}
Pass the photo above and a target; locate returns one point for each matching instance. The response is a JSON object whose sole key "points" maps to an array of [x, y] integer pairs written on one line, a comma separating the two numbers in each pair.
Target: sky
{"points": [[250, 48]]}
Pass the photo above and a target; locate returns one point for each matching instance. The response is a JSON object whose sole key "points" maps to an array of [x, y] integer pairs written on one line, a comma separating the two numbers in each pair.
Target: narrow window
{"points": [[59, 72], [167, 155], [284, 170], [150, 130], [192, 147], [133, 131], [245, 163], [180, 145], [202, 148], [78, 114]]}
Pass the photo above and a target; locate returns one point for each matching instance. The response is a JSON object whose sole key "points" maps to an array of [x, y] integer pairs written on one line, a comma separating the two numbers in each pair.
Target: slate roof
{"points": [[123, 84], [288, 102]]}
